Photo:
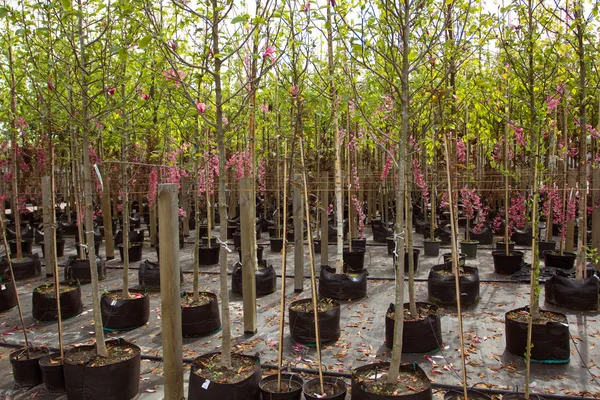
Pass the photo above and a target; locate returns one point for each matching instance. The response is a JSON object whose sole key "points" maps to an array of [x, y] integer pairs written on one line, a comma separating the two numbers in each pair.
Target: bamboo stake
{"points": [[455, 266], [313, 281], [283, 272], [54, 253]]}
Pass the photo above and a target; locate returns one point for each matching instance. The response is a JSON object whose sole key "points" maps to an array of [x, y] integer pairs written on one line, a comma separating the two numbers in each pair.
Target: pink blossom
{"points": [[269, 53], [241, 161], [516, 212], [181, 212], [264, 108], [306, 7], [172, 44], [352, 144], [355, 180], [420, 180], [519, 134], [145, 96], [51, 84], [330, 209], [461, 151], [552, 102], [361, 217], [176, 77], [386, 168], [111, 90], [497, 224], [294, 91], [201, 107]]}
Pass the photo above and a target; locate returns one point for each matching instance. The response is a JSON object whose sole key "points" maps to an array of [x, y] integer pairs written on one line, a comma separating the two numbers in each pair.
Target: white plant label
{"points": [[205, 384], [114, 303]]}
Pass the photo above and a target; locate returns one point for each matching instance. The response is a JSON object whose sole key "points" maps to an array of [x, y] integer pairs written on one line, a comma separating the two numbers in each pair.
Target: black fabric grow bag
{"points": [[293, 381], [302, 324], [27, 267], [44, 305], [53, 375], [259, 253], [26, 371], [546, 246], [209, 255], [554, 259], [572, 293], [118, 381], [472, 393], [309, 388], [79, 270], [237, 240], [420, 336], [442, 288], [359, 391], [380, 231], [522, 237], [120, 314], [201, 320], [265, 276], [60, 248], [317, 246], [135, 236], [484, 236], [507, 264], [149, 275], [550, 341], [354, 260], [26, 246], [135, 252], [8, 298], [342, 287], [205, 389]]}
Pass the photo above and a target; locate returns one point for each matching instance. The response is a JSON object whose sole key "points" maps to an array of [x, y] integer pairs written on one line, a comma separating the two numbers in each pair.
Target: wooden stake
{"points": [[298, 235], [54, 254], [283, 275], [170, 291], [455, 265], [48, 237], [107, 218], [248, 255], [313, 280], [596, 212], [324, 218], [570, 241]]}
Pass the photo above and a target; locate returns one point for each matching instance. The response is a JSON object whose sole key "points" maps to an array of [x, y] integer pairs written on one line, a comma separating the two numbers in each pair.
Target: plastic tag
{"points": [[3, 287], [205, 384], [114, 303]]}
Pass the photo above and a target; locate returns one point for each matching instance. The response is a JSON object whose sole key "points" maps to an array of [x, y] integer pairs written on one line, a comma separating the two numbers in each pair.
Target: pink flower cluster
{"points": [[461, 151], [498, 153], [386, 168], [552, 103], [181, 212], [361, 217], [516, 212], [352, 143], [241, 161], [262, 177], [152, 187], [175, 76], [420, 180], [519, 134], [355, 180]]}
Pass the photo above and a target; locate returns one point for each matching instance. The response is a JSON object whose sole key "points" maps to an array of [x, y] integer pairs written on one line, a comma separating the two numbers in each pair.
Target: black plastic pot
{"points": [[432, 247], [120, 315], [507, 264], [259, 253], [208, 255], [391, 245], [204, 241], [342, 287], [483, 236], [291, 385], [317, 246], [380, 231], [359, 389], [135, 236], [272, 232], [311, 388], [53, 374], [354, 260], [546, 246], [8, 298], [118, 381], [462, 259], [201, 320], [554, 259], [266, 279], [26, 246], [135, 252], [359, 244], [276, 245], [44, 305], [203, 230], [231, 230], [551, 341], [572, 293], [442, 288], [522, 237], [302, 324], [149, 275], [502, 246], [60, 248], [469, 248], [207, 389], [237, 240], [420, 336], [26, 371], [79, 270], [27, 267]]}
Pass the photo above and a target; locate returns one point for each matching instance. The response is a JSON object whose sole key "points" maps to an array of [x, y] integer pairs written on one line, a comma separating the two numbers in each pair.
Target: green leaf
{"points": [[3, 12], [238, 19], [67, 4], [412, 56], [145, 41]]}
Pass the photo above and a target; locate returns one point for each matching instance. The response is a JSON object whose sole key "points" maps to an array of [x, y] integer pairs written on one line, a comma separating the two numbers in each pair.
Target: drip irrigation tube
{"points": [[348, 375]]}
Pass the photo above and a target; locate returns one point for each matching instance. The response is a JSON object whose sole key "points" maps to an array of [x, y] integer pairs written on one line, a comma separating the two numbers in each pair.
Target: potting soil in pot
{"points": [[370, 382]]}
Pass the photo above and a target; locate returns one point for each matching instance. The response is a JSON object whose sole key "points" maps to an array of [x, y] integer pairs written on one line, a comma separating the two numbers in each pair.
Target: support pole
{"points": [[298, 235], [570, 240], [596, 212], [324, 219], [170, 291], [248, 254], [153, 225], [48, 236], [107, 219]]}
